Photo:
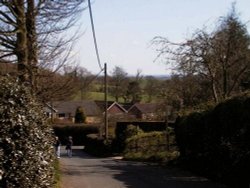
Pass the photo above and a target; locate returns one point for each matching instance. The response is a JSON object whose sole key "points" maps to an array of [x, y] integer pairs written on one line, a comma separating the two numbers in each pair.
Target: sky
{"points": [[124, 29]]}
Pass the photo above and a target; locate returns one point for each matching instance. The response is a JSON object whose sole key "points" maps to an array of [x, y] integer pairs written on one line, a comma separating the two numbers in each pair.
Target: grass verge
{"points": [[164, 156], [57, 177]]}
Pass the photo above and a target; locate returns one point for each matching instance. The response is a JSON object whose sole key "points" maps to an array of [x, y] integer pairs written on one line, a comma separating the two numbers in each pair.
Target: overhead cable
{"points": [[94, 36], [95, 76]]}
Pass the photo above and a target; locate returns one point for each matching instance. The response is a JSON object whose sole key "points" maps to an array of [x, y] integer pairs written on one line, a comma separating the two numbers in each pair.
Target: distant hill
{"points": [[160, 77]]}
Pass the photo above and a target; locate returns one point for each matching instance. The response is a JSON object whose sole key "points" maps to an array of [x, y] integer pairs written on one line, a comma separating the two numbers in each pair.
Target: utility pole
{"points": [[105, 72], [106, 102], [167, 130]]}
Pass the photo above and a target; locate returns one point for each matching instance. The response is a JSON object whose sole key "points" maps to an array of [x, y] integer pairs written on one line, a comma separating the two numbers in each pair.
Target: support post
{"points": [[106, 102], [167, 131]]}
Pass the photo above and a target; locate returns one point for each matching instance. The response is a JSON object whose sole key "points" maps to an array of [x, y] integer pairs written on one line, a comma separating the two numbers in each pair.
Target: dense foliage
{"points": [[151, 146], [217, 142], [125, 130], [98, 146], [78, 132], [80, 115], [26, 148]]}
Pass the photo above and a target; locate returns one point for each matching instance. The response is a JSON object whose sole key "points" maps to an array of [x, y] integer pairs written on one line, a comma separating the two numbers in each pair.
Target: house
{"points": [[65, 110], [146, 111], [49, 111], [126, 106], [116, 109], [113, 108]]}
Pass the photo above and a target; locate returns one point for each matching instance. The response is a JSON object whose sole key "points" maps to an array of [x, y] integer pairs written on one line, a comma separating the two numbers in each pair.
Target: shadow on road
{"points": [[131, 174], [135, 174]]}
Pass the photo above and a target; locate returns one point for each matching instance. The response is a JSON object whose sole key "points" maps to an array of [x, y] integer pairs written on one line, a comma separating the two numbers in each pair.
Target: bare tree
{"points": [[152, 87], [31, 34], [84, 81], [55, 86], [13, 34], [118, 82], [221, 56], [134, 92], [139, 76]]}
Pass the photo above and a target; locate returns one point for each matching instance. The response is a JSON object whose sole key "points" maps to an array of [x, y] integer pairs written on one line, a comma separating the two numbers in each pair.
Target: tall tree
{"points": [[222, 56], [31, 33], [152, 87], [79, 115], [84, 80], [231, 52], [13, 34], [134, 91], [32, 43], [118, 82], [21, 38], [55, 86]]}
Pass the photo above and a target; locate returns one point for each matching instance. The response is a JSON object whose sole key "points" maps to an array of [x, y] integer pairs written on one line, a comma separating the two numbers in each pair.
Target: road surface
{"points": [[84, 171]]}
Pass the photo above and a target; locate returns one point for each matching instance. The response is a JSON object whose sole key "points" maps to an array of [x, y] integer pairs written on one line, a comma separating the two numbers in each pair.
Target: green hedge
{"points": [[121, 127], [147, 142], [150, 147], [78, 132], [145, 126], [98, 146], [217, 142], [26, 144]]}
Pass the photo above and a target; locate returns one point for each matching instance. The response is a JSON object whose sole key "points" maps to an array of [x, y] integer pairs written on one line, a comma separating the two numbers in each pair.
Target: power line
{"points": [[92, 79], [94, 36], [105, 71]]}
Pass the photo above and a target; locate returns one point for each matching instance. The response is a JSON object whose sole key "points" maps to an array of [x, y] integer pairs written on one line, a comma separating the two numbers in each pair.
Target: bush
{"points": [[132, 130], [80, 116], [122, 131], [150, 147], [78, 132], [217, 142], [98, 146], [26, 151]]}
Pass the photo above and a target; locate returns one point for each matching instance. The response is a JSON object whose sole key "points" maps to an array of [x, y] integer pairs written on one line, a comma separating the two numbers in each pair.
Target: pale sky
{"points": [[124, 29]]}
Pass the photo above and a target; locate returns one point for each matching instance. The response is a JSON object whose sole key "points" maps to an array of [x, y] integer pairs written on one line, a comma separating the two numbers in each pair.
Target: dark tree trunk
{"points": [[31, 42], [21, 50]]}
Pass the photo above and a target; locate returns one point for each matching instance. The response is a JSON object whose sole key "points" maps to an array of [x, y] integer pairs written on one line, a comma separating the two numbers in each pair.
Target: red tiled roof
{"points": [[101, 105]]}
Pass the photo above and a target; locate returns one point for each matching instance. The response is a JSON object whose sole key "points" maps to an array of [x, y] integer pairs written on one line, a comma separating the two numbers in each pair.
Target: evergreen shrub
{"points": [[98, 146], [151, 146], [122, 132], [26, 147], [217, 142], [79, 115]]}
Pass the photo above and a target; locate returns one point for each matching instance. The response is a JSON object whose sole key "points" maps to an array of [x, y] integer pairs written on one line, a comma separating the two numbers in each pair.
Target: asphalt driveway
{"points": [[84, 171]]}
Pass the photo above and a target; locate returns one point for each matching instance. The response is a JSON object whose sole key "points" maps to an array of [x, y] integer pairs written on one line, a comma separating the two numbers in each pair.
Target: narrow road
{"points": [[84, 171]]}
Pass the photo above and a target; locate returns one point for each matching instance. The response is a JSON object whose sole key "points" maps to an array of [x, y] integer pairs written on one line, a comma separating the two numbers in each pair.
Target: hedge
{"points": [[78, 132], [217, 142], [98, 146], [26, 145], [120, 131], [151, 146]]}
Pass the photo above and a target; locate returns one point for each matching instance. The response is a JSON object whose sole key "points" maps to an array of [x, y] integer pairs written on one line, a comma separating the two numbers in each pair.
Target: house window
{"points": [[61, 115]]}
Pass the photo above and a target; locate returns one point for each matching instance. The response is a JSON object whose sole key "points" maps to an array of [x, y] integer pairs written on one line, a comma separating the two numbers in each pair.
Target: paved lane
{"points": [[84, 171]]}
